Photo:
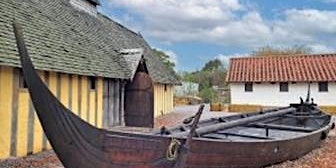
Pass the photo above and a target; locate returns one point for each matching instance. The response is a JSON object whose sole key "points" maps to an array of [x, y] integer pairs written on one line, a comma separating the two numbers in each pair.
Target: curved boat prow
{"points": [[76, 143]]}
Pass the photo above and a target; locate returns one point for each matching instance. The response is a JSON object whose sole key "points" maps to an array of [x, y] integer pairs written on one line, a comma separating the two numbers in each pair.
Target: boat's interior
{"points": [[286, 126]]}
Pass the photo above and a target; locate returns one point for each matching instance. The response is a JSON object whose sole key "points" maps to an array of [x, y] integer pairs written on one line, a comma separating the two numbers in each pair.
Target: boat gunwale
{"points": [[327, 127]]}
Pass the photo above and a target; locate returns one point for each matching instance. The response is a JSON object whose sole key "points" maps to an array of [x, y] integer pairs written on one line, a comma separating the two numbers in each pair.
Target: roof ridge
{"points": [[117, 23], [283, 56]]}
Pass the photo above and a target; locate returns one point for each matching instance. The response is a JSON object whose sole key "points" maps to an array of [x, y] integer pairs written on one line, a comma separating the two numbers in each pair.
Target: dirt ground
{"points": [[323, 157]]}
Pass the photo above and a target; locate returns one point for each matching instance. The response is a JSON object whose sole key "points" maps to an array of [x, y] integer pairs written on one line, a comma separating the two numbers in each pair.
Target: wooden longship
{"points": [[244, 140]]}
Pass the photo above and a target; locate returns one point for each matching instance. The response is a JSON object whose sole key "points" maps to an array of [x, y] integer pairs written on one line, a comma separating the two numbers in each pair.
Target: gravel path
{"points": [[182, 112], [323, 157]]}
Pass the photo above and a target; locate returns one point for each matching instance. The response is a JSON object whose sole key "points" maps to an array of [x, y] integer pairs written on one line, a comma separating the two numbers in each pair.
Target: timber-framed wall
{"points": [[163, 99], [21, 132]]}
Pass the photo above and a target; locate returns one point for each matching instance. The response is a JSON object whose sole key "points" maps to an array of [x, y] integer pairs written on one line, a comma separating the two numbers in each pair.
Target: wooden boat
{"points": [[244, 140]]}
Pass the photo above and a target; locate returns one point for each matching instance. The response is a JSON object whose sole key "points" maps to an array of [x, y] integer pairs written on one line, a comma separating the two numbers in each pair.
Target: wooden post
{"points": [[181, 162], [116, 108], [111, 104], [122, 104], [105, 103]]}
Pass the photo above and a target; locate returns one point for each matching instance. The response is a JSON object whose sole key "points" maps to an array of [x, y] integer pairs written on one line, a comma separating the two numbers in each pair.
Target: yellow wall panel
{"points": [[53, 89], [100, 103], [171, 100], [163, 100], [75, 94], [84, 98], [6, 93], [65, 90], [23, 109], [166, 95], [168, 98], [155, 102], [38, 136], [38, 132], [92, 110], [159, 99], [53, 82]]}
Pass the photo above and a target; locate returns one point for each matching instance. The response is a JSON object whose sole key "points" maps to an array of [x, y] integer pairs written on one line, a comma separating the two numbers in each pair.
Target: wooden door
{"points": [[139, 101]]}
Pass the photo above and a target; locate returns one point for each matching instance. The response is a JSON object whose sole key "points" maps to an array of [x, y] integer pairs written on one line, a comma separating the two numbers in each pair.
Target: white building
{"points": [[281, 80], [187, 89]]}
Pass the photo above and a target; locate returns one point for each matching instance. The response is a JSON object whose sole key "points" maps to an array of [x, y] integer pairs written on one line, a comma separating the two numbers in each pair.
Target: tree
{"points": [[212, 74], [209, 95], [212, 65], [272, 51], [165, 58]]}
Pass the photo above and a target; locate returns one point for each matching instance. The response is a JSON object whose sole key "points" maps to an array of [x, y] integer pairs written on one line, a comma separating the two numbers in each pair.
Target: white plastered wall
{"points": [[268, 94]]}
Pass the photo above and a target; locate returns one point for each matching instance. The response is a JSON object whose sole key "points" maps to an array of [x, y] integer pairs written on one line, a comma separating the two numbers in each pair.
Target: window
{"points": [[165, 87], [22, 81], [92, 82], [249, 87], [283, 86], [323, 86]]}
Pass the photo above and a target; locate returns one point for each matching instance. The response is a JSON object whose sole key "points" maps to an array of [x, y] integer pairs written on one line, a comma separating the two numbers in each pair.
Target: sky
{"points": [[193, 32]]}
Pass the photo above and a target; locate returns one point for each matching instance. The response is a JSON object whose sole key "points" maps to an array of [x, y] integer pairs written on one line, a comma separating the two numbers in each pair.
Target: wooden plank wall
{"points": [[21, 132], [113, 101], [163, 99]]}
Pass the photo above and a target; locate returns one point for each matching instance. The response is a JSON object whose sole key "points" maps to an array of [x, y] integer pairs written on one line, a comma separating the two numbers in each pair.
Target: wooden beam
{"points": [[305, 117], [237, 122], [225, 135], [283, 127]]}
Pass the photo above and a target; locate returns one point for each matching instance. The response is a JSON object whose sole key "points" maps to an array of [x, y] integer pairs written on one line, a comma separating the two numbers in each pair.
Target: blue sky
{"points": [[195, 31]]}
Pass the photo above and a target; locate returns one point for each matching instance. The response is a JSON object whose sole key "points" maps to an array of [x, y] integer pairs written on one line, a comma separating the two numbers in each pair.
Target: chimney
{"points": [[89, 6]]}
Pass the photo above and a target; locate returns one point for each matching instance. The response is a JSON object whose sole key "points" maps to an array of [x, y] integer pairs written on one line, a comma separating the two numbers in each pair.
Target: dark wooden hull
{"points": [[144, 151], [80, 145]]}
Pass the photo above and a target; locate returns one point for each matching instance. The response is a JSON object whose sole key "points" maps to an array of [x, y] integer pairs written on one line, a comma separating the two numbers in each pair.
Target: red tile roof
{"points": [[293, 68]]}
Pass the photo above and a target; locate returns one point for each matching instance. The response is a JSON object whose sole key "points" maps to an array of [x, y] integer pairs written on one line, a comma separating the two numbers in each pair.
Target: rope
{"points": [[172, 151]]}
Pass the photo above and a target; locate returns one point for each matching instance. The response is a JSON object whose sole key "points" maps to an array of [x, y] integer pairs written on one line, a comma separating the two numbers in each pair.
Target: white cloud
{"points": [[250, 30], [306, 25], [320, 49], [172, 56], [311, 27], [175, 20], [229, 23], [226, 58]]}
